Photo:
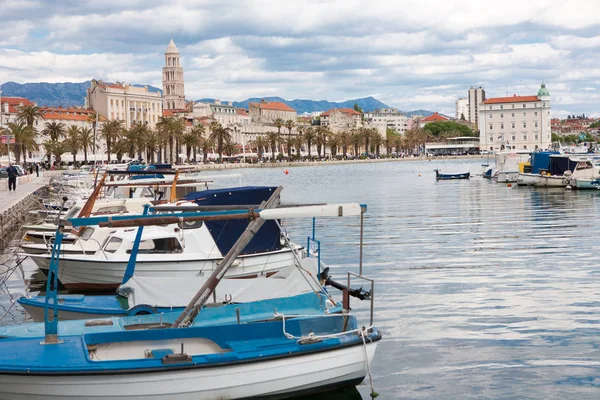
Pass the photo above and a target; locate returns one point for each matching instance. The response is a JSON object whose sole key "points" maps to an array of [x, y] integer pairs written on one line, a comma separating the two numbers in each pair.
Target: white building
{"points": [[476, 97], [391, 117], [124, 102], [462, 109], [517, 122]]}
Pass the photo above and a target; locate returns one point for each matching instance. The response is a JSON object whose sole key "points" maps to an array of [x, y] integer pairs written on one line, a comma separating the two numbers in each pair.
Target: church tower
{"points": [[173, 86]]}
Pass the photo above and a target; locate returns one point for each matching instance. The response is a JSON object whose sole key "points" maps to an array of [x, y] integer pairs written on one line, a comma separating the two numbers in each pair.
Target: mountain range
{"points": [[68, 94]]}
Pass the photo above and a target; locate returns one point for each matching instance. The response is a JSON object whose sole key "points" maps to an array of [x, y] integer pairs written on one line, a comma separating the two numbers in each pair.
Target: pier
{"points": [[15, 205]]}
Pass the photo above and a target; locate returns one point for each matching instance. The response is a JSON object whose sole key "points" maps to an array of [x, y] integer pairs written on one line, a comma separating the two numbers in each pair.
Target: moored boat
{"points": [[440, 177]]}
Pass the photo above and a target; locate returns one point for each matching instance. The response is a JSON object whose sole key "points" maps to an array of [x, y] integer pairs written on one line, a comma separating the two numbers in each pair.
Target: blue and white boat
{"points": [[276, 357]]}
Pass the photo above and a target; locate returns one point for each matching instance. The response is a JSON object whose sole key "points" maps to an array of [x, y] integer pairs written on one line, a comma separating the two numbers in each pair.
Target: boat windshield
{"points": [[113, 244], [87, 233], [159, 245], [584, 165]]}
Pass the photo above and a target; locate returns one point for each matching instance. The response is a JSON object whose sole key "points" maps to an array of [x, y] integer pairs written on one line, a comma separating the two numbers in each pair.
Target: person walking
{"points": [[12, 177], [37, 170]]}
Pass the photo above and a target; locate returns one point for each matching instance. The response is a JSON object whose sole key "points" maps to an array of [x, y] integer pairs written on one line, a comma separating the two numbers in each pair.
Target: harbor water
{"points": [[483, 291]]}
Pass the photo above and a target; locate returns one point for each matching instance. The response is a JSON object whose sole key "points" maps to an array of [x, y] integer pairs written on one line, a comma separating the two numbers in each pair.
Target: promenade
{"points": [[26, 185]]}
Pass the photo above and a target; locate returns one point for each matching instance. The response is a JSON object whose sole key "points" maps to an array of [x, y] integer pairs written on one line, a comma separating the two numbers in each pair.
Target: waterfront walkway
{"points": [[25, 186]]}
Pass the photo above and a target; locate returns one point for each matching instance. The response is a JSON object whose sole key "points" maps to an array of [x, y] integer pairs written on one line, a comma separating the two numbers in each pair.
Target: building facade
{"points": [[341, 118], [391, 117], [173, 82], [476, 97], [125, 103], [517, 122], [462, 109], [266, 112]]}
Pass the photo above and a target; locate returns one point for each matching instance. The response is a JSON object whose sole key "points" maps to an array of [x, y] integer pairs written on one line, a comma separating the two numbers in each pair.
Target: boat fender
{"points": [[142, 309]]}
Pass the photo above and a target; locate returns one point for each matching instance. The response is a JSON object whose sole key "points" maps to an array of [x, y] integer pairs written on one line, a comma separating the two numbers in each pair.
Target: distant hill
{"points": [[302, 106], [73, 94], [53, 94]]}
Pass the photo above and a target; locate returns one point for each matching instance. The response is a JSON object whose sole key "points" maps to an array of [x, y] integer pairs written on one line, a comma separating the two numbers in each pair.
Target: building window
{"points": [[513, 138], [535, 113], [490, 116], [491, 107], [111, 102], [501, 115], [513, 106], [524, 114], [513, 125], [501, 107], [524, 124], [501, 125], [513, 115], [491, 138], [524, 105], [536, 137], [491, 126], [524, 136], [535, 124]]}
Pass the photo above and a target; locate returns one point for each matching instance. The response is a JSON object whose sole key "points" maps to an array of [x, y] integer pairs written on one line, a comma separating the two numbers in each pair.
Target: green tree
{"points": [[138, 136], [28, 114], [377, 141], [261, 144], [55, 130], [443, 128], [86, 139], [356, 139], [273, 139], [221, 136], [358, 109], [112, 132], [289, 124], [198, 133], [309, 138], [73, 144], [24, 139]]}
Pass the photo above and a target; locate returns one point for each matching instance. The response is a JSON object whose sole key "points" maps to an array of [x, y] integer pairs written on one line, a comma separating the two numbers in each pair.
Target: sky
{"points": [[409, 54]]}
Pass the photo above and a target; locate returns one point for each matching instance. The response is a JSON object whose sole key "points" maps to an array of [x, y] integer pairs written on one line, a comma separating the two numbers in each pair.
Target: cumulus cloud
{"points": [[413, 54]]}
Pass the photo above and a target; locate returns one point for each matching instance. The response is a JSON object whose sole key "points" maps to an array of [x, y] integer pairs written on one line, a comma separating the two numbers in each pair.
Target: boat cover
{"points": [[559, 165], [225, 233], [540, 160], [177, 292]]}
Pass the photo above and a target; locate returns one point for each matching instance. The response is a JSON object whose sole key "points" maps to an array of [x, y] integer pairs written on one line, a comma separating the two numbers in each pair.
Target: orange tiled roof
{"points": [[513, 99], [435, 117], [168, 113], [67, 114], [350, 111], [274, 105], [241, 111], [14, 103]]}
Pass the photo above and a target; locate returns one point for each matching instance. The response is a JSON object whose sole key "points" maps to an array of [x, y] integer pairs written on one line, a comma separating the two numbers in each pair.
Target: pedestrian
{"points": [[37, 169], [30, 169], [12, 177]]}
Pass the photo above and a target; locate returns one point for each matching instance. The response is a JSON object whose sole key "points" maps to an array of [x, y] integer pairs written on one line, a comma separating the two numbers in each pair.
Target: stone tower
{"points": [[173, 86]]}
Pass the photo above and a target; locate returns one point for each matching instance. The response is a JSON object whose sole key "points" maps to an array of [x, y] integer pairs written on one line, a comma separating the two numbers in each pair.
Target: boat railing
{"points": [[372, 293]]}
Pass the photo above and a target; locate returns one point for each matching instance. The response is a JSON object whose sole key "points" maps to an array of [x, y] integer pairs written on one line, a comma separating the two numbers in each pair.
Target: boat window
{"points": [[190, 224], [160, 245], [111, 210], [586, 165], [72, 212], [113, 244], [87, 233]]}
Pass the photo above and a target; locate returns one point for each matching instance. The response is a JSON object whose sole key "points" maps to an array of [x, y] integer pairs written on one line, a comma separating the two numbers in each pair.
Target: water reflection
{"points": [[483, 290]]}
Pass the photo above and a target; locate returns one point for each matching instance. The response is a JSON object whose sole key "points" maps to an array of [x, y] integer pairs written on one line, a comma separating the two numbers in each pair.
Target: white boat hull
{"points": [[507, 176], [97, 273], [276, 378], [542, 180]]}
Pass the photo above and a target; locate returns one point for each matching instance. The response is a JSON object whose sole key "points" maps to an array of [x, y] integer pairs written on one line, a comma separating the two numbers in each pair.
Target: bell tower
{"points": [[173, 84]]}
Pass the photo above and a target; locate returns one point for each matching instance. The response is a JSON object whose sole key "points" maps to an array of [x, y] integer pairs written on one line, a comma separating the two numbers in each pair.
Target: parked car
{"points": [[20, 170], [3, 173]]}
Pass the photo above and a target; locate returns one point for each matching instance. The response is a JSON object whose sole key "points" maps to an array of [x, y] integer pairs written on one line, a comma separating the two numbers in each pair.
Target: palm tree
{"points": [[309, 137], [289, 124], [322, 132], [138, 133], [86, 140], [72, 144], [367, 134], [273, 138], [24, 139], [343, 139], [261, 144], [297, 143], [54, 148], [197, 132], [377, 140], [151, 142], [55, 130], [111, 132], [171, 129], [206, 144], [333, 143], [356, 139], [220, 136], [190, 141], [29, 114]]}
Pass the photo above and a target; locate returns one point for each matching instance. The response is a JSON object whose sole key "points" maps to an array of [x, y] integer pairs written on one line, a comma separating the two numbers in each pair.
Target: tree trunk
{"points": [[195, 154], [85, 155]]}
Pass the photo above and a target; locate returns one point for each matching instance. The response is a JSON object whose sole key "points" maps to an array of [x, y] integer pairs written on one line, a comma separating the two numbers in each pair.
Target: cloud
{"points": [[414, 54]]}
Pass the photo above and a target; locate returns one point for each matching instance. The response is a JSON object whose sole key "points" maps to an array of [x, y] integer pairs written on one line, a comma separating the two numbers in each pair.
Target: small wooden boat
{"points": [[442, 177]]}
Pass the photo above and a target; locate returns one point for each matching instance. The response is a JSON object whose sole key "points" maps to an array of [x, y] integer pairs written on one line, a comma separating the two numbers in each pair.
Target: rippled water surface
{"points": [[483, 291]]}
